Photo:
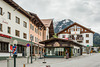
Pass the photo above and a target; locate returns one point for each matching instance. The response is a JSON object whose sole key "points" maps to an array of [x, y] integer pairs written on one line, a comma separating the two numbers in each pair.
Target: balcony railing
{"points": [[71, 38], [79, 38]]}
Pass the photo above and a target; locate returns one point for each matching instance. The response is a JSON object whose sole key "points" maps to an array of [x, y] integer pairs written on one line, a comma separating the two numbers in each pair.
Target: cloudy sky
{"points": [[85, 12]]}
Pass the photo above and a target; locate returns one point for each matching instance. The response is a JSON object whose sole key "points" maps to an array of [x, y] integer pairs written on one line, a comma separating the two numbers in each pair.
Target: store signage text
{"points": [[2, 35]]}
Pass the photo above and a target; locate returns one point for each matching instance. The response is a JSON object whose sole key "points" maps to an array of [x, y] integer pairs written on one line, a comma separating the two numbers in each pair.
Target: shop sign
{"points": [[2, 35], [49, 45], [56, 44], [64, 45]]}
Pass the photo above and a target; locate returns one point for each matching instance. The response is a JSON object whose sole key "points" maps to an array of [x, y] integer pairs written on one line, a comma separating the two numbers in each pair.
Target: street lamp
{"points": [[31, 37]]}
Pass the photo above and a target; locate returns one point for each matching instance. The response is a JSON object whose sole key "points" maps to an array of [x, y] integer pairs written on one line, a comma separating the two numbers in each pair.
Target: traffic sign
{"points": [[28, 45], [14, 50]]}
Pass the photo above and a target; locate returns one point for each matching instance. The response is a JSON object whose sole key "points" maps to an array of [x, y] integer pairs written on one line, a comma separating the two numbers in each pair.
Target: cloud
{"points": [[85, 12]]}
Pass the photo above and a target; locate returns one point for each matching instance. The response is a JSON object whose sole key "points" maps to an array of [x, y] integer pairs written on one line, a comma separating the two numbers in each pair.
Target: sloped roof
{"points": [[17, 7], [60, 39], [73, 25], [47, 22]]}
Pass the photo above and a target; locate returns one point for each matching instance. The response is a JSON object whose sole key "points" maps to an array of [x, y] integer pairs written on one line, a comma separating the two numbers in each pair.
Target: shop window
{"points": [[19, 49], [87, 41], [0, 27], [17, 20], [25, 35], [17, 33], [36, 50], [9, 30], [3, 47], [87, 35], [25, 24], [0, 11], [9, 15], [78, 50]]}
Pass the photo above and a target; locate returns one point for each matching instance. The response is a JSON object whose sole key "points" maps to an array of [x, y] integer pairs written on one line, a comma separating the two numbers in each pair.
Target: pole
{"points": [[14, 60], [31, 50]]}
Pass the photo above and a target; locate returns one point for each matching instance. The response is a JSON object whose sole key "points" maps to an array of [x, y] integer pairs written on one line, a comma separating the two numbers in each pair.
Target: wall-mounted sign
{"points": [[5, 22], [2, 35], [64, 44], [49, 45], [56, 44]]}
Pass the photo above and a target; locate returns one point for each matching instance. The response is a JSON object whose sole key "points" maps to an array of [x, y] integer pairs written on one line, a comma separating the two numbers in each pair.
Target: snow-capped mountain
{"points": [[60, 25]]}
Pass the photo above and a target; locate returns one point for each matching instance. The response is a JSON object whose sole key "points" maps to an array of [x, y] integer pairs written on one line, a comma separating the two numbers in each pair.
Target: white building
{"points": [[14, 24], [77, 33]]}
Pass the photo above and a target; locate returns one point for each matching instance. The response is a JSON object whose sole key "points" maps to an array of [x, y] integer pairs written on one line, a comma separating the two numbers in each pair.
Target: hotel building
{"points": [[78, 33]]}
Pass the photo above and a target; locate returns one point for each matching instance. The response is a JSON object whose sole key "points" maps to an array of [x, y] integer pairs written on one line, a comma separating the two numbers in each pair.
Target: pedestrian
{"points": [[91, 52], [66, 54]]}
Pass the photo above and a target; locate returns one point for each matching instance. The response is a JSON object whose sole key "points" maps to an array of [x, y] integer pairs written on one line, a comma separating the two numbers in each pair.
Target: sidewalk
{"points": [[38, 62]]}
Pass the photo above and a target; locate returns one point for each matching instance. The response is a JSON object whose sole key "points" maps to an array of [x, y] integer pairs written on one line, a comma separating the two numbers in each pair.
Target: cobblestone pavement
{"points": [[81, 61]]}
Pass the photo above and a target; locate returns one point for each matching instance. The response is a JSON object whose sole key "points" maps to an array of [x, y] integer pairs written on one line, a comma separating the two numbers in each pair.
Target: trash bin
{"points": [[10, 62]]}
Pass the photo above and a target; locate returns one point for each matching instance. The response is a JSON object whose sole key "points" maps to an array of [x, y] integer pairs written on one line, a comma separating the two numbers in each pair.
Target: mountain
{"points": [[60, 25], [96, 39]]}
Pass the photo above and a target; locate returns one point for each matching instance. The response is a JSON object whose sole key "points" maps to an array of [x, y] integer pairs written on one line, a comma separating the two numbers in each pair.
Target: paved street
{"points": [[81, 61]]}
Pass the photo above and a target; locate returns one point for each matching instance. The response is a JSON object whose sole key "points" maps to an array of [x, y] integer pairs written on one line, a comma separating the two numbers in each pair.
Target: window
{"points": [[25, 35], [0, 46], [85, 30], [40, 33], [78, 29], [31, 27], [25, 24], [0, 11], [9, 30], [72, 29], [35, 30], [17, 20], [9, 15], [17, 33], [87, 41], [87, 35], [63, 36], [0, 27], [80, 41], [35, 39]]}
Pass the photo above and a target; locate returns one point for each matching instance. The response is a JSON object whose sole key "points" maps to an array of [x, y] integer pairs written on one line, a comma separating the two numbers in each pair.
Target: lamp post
{"points": [[31, 46]]}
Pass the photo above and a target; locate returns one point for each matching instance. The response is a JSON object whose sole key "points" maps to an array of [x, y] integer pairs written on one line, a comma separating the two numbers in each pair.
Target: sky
{"points": [[84, 12]]}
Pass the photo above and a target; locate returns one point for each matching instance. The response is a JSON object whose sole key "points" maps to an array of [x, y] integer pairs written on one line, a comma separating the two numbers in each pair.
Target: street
{"points": [[81, 61]]}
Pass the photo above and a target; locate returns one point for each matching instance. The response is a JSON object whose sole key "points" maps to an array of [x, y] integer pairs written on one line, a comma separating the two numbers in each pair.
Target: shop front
{"points": [[57, 47]]}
